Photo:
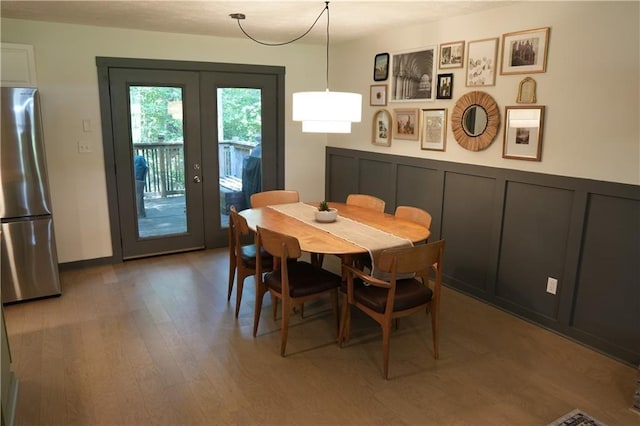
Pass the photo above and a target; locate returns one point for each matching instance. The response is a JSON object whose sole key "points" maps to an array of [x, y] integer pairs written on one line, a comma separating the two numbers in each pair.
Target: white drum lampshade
{"points": [[327, 112]]}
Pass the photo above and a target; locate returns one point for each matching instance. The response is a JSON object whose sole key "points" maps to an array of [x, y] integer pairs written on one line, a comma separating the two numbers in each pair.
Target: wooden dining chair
{"points": [[414, 214], [276, 196], [385, 300], [366, 201], [293, 281], [242, 257]]}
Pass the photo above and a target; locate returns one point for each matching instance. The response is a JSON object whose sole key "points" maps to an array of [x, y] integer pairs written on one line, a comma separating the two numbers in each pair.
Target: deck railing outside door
{"points": [[165, 177]]}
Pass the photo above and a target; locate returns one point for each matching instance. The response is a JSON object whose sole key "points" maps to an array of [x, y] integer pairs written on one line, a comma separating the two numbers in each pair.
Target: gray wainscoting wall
{"points": [[508, 231]]}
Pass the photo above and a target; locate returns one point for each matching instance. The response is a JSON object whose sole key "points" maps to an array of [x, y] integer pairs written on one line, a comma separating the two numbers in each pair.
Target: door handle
{"points": [[196, 179]]}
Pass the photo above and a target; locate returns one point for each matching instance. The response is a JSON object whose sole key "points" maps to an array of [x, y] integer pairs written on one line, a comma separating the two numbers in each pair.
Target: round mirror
{"points": [[475, 120]]}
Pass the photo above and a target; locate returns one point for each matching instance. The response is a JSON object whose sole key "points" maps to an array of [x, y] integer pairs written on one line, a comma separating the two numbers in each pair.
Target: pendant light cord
{"points": [[326, 7], [238, 17]]}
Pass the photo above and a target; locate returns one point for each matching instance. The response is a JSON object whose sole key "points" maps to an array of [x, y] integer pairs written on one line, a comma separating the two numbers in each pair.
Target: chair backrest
{"points": [[278, 245], [420, 259], [238, 227], [414, 214], [277, 196], [366, 201]]}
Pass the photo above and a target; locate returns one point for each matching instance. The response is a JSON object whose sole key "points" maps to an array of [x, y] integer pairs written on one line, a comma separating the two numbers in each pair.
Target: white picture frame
{"points": [[404, 86]]}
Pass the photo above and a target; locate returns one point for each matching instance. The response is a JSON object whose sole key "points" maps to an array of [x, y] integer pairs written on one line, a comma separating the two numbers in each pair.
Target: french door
{"points": [[243, 141], [148, 160], [186, 145]]}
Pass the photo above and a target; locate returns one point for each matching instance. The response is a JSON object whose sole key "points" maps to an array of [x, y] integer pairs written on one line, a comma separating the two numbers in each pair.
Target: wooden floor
{"points": [[154, 341]]}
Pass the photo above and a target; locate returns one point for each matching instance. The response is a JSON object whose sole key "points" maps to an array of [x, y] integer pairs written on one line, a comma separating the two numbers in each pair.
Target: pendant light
{"points": [[321, 111]]}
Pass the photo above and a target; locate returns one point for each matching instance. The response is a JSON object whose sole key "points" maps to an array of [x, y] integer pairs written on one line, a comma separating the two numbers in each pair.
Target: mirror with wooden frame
{"points": [[475, 120]]}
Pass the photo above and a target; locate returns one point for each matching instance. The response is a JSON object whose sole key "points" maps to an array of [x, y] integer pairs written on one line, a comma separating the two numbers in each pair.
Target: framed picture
{"points": [[381, 128], [451, 55], [527, 91], [381, 67], [434, 129], [405, 124], [525, 52], [445, 86], [523, 132], [481, 62], [406, 86], [378, 95]]}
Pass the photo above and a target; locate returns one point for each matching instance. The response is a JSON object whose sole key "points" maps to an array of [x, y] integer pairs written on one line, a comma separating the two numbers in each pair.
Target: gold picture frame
{"points": [[523, 126], [406, 123], [381, 126], [525, 52], [451, 55], [482, 62], [527, 91], [434, 129]]}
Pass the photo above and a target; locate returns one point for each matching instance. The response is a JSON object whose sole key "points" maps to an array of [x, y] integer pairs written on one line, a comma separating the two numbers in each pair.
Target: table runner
{"points": [[369, 238]]}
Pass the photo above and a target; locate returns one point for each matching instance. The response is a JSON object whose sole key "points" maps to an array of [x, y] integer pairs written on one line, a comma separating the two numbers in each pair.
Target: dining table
{"points": [[356, 230]]}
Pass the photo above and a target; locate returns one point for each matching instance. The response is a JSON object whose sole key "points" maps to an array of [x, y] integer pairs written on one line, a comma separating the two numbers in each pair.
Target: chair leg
{"points": [[317, 259], [343, 336], [258, 309], [336, 311], [386, 333], [239, 289], [284, 331], [232, 274], [274, 307], [435, 330]]}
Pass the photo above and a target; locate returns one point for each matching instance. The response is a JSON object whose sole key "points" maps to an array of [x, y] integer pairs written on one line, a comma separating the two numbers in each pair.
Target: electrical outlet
{"points": [[552, 285], [84, 147]]}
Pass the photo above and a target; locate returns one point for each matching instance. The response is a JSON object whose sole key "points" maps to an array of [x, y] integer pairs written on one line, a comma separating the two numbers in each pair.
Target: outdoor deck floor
{"points": [[166, 216]]}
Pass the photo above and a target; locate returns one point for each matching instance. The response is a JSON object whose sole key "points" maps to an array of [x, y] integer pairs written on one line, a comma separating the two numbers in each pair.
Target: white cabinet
{"points": [[18, 65]]}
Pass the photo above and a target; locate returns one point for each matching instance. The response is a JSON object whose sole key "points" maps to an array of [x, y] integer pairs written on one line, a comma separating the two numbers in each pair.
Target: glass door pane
{"points": [[157, 135], [242, 144], [239, 147], [157, 153]]}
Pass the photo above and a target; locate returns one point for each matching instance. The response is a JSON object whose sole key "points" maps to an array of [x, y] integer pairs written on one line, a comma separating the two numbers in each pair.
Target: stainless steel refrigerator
{"points": [[29, 261]]}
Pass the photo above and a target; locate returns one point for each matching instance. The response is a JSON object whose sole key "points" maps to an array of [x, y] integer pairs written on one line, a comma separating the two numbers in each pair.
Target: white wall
{"points": [[590, 89], [67, 78]]}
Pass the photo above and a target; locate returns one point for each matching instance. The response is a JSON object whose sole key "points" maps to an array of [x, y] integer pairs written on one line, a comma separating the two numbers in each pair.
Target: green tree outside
{"points": [[241, 113], [155, 119]]}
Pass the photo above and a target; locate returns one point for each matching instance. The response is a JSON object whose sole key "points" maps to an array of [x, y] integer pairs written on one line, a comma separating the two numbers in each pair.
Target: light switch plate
{"points": [[552, 285]]}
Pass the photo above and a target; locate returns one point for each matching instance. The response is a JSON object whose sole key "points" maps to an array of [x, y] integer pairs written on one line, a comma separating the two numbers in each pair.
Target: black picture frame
{"points": [[445, 86], [381, 67]]}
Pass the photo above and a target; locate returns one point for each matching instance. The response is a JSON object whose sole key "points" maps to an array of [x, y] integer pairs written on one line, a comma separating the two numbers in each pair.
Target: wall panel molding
{"points": [[507, 231]]}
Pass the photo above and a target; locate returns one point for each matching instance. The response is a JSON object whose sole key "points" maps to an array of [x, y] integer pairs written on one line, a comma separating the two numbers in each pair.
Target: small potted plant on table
{"points": [[325, 213]]}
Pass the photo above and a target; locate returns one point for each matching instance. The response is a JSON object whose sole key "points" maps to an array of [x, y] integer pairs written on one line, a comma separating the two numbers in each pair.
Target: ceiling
{"points": [[271, 21]]}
